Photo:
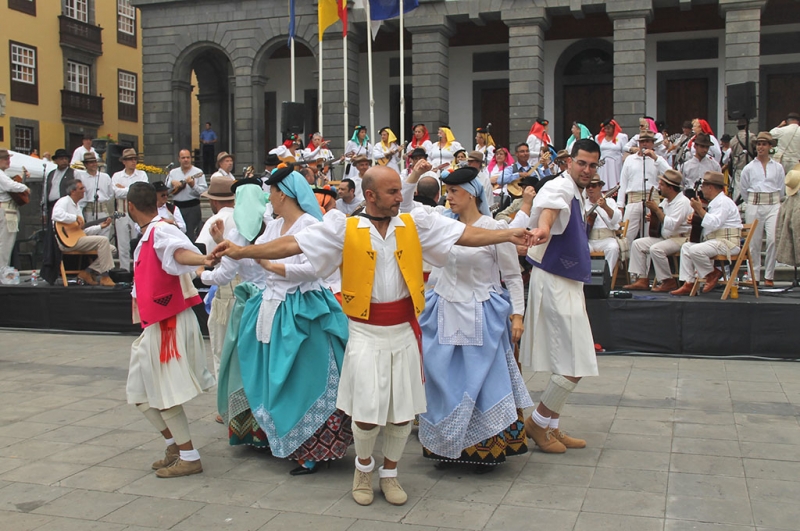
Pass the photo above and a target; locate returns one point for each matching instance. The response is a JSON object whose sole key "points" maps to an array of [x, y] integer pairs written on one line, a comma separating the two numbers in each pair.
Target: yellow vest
{"points": [[358, 266]]}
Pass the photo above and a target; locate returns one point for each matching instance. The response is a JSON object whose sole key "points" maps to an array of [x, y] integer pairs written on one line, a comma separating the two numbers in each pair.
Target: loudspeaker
{"points": [[600, 286], [742, 100], [113, 164], [292, 117]]}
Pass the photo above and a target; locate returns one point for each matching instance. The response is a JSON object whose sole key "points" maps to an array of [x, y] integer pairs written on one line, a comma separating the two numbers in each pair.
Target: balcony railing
{"points": [[80, 35], [83, 108]]}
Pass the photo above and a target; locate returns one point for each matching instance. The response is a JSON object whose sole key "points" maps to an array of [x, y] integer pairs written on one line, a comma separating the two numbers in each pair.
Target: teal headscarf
{"points": [[354, 138], [295, 186], [248, 213], [585, 133]]}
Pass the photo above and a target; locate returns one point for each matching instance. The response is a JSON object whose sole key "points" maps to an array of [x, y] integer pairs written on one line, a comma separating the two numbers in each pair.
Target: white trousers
{"points": [[659, 251], [7, 239], [767, 216], [126, 231], [696, 258], [633, 215], [610, 249]]}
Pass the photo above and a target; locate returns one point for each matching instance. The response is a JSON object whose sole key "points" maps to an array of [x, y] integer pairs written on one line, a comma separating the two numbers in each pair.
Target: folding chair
{"points": [[737, 259]]}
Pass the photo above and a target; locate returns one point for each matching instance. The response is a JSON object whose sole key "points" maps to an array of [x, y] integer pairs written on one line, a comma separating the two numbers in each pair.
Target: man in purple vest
{"points": [[557, 336]]}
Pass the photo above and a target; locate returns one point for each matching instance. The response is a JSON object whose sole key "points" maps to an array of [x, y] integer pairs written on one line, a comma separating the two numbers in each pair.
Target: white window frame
{"points": [[79, 77], [23, 64], [127, 88], [23, 139], [126, 17], [77, 9]]}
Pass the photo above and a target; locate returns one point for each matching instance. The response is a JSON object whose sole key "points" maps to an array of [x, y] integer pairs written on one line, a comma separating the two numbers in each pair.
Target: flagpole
{"points": [[402, 82], [319, 89], [346, 117], [291, 58], [369, 69]]}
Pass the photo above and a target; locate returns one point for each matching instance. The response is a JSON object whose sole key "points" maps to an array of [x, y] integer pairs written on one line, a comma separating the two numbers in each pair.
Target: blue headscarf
{"points": [[295, 186], [475, 189], [354, 138]]}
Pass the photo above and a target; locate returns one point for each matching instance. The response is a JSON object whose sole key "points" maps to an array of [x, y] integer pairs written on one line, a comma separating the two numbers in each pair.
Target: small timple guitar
{"points": [[69, 233]]}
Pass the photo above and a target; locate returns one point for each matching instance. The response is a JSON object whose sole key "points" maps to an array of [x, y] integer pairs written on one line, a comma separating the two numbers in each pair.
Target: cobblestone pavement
{"points": [[674, 445]]}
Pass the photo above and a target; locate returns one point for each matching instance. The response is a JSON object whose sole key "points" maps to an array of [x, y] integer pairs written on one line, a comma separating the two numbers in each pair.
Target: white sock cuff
{"points": [[190, 455], [539, 419], [384, 473], [556, 393], [169, 442], [553, 424], [366, 468]]}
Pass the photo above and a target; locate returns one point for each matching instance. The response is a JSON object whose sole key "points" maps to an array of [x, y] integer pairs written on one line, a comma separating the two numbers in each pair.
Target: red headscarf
{"points": [[508, 162], [706, 129], [425, 137], [602, 134], [539, 132]]}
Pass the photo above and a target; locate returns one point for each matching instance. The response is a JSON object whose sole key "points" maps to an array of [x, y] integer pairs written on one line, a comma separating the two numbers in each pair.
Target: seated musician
{"points": [[511, 210], [721, 235], [67, 211], [673, 217], [603, 222], [288, 151], [168, 210]]}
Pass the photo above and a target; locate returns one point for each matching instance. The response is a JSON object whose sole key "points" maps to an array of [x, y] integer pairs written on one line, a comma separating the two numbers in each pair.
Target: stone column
{"points": [[630, 28], [243, 142], [430, 47], [181, 130], [333, 85], [257, 126], [742, 48], [526, 29]]}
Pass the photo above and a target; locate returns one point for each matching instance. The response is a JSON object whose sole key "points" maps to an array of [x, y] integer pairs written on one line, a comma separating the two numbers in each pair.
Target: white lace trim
{"points": [[316, 416], [455, 327], [266, 315]]}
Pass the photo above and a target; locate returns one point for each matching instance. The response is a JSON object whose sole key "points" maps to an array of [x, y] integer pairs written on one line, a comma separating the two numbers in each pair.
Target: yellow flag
{"points": [[328, 14]]}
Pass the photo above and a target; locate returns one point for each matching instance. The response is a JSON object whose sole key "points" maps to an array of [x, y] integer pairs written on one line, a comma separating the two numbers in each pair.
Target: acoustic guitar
{"points": [[21, 198], [383, 161], [696, 235], [69, 233], [178, 189], [655, 223]]}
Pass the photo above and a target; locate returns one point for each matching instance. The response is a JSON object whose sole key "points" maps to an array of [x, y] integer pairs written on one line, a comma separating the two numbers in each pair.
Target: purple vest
{"points": [[567, 255]]}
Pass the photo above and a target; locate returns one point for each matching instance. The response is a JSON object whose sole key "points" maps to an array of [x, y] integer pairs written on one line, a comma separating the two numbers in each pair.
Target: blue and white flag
{"points": [[386, 9], [291, 23]]}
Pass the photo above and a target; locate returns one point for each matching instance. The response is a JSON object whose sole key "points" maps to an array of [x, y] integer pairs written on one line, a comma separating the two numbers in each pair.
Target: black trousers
{"points": [[208, 159]]}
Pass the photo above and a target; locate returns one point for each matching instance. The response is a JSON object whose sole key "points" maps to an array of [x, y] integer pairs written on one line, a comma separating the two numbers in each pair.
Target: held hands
{"points": [[520, 237], [539, 235], [226, 248], [216, 230], [516, 328]]}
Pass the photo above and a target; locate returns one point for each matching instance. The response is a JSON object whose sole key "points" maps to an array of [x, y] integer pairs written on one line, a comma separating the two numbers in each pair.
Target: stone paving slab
{"points": [[675, 444]]}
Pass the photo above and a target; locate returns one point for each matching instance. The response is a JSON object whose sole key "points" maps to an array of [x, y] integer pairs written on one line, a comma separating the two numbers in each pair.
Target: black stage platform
{"points": [[654, 324], [73, 309]]}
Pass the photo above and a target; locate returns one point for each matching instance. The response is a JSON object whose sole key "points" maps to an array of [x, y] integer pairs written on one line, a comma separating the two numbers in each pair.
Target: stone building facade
{"points": [[471, 62]]}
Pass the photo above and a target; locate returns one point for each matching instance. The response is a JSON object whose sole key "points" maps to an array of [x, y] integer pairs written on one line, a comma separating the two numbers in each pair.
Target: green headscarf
{"points": [[248, 213], [585, 133]]}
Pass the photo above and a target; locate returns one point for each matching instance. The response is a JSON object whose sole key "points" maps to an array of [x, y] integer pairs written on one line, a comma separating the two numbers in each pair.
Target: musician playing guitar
{"points": [[186, 183], [672, 215], [387, 152], [602, 222], [67, 211], [9, 214]]}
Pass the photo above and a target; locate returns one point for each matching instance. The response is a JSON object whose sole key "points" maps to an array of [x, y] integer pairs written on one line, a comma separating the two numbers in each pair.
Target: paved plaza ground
{"points": [[674, 445]]}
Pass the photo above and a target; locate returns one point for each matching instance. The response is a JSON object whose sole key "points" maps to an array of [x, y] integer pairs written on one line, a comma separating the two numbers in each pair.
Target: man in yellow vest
{"points": [[380, 254]]}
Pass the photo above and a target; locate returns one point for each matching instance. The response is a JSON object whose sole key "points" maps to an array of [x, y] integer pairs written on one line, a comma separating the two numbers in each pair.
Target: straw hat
{"points": [[647, 135], [763, 136], [89, 157], [219, 189], [223, 155], [714, 177], [793, 181], [673, 178], [129, 153]]}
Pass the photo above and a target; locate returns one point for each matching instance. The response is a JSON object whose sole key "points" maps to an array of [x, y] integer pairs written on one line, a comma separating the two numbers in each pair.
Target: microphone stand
{"points": [[642, 230]]}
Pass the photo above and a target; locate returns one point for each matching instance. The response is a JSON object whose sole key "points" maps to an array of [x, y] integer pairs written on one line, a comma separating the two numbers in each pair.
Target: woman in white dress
{"points": [[421, 139], [442, 153], [357, 145], [538, 137], [387, 152], [484, 143], [578, 131], [646, 123], [612, 144], [289, 151]]}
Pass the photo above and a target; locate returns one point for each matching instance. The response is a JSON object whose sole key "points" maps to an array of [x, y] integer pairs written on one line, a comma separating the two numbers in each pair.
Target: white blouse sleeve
{"points": [[322, 244], [167, 240], [557, 195], [437, 235], [508, 263]]}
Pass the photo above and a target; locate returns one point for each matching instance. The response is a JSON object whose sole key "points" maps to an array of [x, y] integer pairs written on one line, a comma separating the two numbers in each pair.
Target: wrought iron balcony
{"points": [[80, 35], [82, 108]]}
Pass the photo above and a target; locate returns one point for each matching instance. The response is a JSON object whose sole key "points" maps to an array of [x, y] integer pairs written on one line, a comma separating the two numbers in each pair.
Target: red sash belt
{"points": [[395, 313], [425, 276]]}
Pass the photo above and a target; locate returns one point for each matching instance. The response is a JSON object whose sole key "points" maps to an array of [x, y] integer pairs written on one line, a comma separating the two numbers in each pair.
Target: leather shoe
{"points": [[544, 438], [566, 440], [171, 454], [711, 280], [641, 284], [87, 278], [180, 468], [686, 289], [105, 280], [666, 286], [769, 283]]}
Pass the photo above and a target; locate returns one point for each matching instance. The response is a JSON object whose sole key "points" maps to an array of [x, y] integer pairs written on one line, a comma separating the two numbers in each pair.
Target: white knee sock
{"points": [[153, 415], [178, 424], [364, 441], [539, 419], [556, 393], [394, 441]]}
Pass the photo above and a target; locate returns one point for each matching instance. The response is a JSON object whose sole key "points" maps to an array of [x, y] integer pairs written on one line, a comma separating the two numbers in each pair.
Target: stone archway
{"points": [[584, 87], [214, 73]]}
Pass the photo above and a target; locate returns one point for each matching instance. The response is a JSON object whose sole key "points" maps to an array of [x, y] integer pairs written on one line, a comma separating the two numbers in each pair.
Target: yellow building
{"points": [[69, 68]]}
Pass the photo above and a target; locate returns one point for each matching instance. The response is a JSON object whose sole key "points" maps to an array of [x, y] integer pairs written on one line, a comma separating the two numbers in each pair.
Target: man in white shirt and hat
{"points": [[762, 187], [186, 183], [125, 227], [603, 222], [83, 149], [9, 214], [99, 191], [672, 214], [224, 166], [722, 226], [787, 138]]}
